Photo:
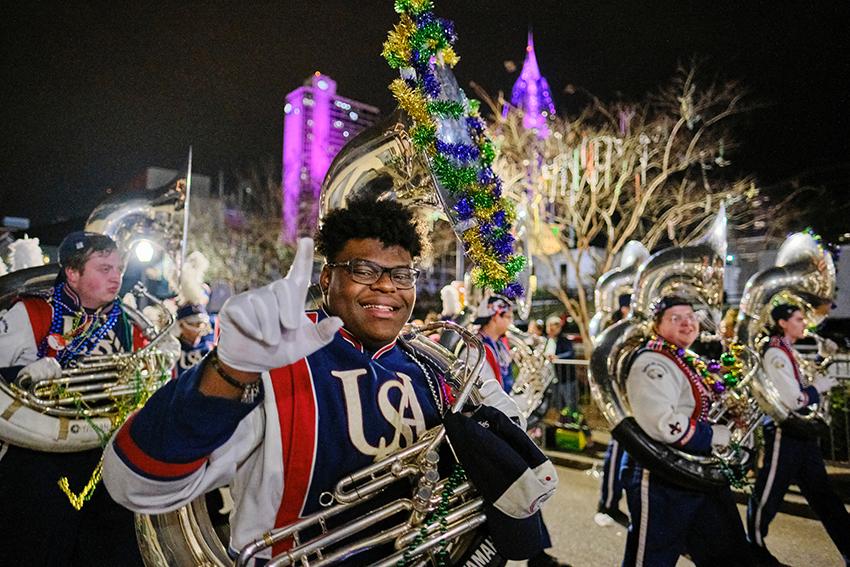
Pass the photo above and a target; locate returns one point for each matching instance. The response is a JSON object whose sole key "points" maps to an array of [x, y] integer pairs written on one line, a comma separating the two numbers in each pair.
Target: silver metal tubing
{"points": [[342, 533], [453, 531]]}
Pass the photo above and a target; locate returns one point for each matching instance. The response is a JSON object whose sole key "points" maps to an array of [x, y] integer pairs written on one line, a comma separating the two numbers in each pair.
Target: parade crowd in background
{"points": [[269, 362]]}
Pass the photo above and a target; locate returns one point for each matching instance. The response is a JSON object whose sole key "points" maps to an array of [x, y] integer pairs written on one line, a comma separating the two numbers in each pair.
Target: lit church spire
{"points": [[531, 93]]}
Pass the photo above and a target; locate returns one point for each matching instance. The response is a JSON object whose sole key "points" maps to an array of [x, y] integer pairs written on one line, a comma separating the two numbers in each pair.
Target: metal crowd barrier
{"points": [[572, 383], [836, 448]]}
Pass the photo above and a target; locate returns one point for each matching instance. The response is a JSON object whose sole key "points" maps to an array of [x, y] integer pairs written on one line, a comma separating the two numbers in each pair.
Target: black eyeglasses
{"points": [[366, 273]]}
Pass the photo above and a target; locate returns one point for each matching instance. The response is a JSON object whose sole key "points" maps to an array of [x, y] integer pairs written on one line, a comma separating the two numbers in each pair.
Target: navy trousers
{"points": [[612, 488], [789, 459], [39, 525], [668, 521]]}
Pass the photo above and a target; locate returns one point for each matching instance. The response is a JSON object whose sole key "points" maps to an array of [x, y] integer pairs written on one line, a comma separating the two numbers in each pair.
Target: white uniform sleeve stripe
{"points": [[644, 517], [612, 471], [774, 461]]}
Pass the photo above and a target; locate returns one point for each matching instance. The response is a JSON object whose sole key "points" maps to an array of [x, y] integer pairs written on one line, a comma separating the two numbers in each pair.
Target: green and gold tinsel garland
{"points": [[420, 45]]}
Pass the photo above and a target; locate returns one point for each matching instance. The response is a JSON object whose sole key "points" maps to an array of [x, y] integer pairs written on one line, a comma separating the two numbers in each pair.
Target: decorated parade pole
{"points": [[447, 128], [185, 239]]}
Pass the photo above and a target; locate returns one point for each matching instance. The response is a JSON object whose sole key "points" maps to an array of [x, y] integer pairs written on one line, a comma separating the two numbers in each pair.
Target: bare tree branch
{"points": [[650, 171]]}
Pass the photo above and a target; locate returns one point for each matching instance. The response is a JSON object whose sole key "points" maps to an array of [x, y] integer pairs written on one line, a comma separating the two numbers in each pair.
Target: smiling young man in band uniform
{"points": [[290, 402]]}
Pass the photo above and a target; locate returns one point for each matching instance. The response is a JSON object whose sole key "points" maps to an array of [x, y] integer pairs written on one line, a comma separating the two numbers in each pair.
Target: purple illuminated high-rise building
{"points": [[531, 94], [317, 123]]}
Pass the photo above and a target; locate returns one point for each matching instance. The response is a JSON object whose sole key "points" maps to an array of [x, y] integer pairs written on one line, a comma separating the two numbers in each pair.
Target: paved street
{"points": [[578, 540]]}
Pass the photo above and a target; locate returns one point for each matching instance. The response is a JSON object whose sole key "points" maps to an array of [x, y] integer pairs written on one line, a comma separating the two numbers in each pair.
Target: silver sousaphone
{"points": [[694, 271], [614, 283], [71, 413], [803, 275]]}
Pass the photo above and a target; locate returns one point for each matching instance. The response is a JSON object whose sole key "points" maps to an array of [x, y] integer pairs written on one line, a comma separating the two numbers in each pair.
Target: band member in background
{"points": [[791, 456], [670, 403], [623, 306], [611, 488], [493, 317], [39, 336], [289, 402]]}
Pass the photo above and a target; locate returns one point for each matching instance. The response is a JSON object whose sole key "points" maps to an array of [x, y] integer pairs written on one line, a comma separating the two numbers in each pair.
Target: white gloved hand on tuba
{"points": [[824, 384], [42, 369]]}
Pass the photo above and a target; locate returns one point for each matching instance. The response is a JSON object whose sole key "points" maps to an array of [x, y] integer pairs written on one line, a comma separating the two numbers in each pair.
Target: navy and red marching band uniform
{"points": [[498, 357], [28, 478], [327, 415], [793, 457], [670, 403]]}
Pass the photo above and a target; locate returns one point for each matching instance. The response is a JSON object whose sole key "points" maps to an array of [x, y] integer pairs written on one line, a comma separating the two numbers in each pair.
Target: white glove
{"points": [[826, 348], [720, 436], [266, 328], [824, 384], [42, 369]]}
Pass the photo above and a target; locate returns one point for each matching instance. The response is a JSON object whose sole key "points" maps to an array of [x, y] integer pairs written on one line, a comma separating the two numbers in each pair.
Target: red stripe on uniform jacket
{"points": [[40, 314], [148, 465], [494, 364], [296, 410]]}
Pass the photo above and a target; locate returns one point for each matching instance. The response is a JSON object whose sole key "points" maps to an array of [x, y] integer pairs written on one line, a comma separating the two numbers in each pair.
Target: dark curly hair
{"points": [[388, 221]]}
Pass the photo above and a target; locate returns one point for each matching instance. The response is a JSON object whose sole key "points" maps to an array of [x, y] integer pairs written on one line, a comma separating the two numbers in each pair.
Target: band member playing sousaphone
{"points": [[670, 398], [291, 401], [39, 336], [612, 300], [793, 455]]}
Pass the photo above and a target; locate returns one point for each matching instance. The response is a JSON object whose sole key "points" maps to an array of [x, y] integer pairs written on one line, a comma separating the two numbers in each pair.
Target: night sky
{"points": [[94, 94]]}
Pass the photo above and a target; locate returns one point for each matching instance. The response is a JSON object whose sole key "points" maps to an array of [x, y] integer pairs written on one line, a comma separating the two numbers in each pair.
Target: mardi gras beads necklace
{"points": [[85, 332], [716, 375]]}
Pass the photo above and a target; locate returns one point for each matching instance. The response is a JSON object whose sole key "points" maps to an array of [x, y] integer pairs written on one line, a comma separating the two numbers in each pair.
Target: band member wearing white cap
{"points": [[80, 316], [670, 403], [793, 456], [494, 317]]}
